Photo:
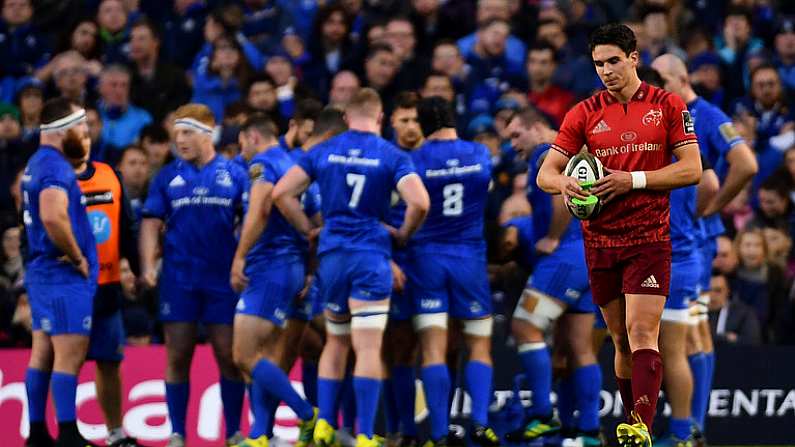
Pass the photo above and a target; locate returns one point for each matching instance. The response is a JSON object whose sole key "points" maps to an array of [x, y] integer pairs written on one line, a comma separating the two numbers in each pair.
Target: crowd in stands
{"points": [[131, 63]]}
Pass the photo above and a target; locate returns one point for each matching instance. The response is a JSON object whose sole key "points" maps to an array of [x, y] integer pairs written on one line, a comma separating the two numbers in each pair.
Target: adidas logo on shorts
{"points": [[650, 283]]}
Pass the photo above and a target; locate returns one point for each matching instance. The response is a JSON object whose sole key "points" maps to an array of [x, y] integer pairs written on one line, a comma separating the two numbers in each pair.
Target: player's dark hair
{"points": [[615, 34], [330, 120], [407, 100], [650, 76], [55, 109], [155, 133], [262, 124], [236, 108], [378, 48], [543, 45], [528, 116], [307, 109], [435, 113]]}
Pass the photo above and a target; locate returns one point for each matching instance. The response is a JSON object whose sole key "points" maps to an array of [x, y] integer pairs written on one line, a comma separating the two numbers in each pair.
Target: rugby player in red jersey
{"points": [[636, 130]]}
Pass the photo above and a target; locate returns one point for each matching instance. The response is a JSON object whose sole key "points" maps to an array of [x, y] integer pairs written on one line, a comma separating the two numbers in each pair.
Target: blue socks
{"points": [[680, 428], [64, 390], [567, 401], [232, 394], [177, 401], [403, 383], [698, 367], [710, 356], [309, 380], [436, 382], [537, 366], [256, 400], [348, 403], [588, 384], [478, 379], [275, 381], [368, 393], [37, 384], [328, 390], [391, 416]]}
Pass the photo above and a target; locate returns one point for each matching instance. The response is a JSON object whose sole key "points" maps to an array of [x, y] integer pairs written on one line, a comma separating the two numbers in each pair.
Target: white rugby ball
{"points": [[586, 169]]}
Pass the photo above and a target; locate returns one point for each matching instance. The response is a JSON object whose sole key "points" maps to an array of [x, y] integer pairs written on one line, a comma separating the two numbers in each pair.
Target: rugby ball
{"points": [[587, 169]]}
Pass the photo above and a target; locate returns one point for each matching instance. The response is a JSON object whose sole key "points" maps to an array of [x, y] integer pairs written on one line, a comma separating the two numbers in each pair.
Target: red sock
{"points": [[625, 388], [647, 371]]}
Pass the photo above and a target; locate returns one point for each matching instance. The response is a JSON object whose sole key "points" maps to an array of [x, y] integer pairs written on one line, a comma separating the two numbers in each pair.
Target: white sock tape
{"points": [[638, 179]]}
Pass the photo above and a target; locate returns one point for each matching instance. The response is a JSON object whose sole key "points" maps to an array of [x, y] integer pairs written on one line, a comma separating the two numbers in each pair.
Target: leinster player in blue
{"points": [[198, 200], [735, 164], [447, 267], [557, 292], [357, 172], [269, 270], [60, 271]]}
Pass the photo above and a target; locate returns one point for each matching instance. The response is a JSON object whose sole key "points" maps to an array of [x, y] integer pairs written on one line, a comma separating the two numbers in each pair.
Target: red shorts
{"points": [[640, 269]]}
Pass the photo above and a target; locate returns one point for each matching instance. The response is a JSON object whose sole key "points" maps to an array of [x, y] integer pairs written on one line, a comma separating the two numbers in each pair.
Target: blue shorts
{"points": [[401, 306], [192, 304], [599, 322], [358, 275], [308, 308], [708, 251], [685, 276], [107, 338], [64, 308], [271, 291], [564, 275], [445, 283]]}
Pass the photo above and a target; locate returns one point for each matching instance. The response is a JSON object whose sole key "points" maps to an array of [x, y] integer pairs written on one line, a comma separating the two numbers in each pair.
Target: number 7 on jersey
{"points": [[355, 181]]}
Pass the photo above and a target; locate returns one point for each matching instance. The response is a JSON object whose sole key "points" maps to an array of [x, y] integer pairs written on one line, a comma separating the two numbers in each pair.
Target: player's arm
{"points": [[286, 197], [742, 168], [552, 180], [413, 192], [259, 208], [557, 226], [707, 187], [148, 246], [54, 215]]}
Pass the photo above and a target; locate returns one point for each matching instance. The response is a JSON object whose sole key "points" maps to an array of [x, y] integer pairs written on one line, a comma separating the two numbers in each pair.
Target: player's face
{"points": [[613, 66], [189, 143], [407, 127], [77, 143], [521, 138], [751, 250], [302, 133]]}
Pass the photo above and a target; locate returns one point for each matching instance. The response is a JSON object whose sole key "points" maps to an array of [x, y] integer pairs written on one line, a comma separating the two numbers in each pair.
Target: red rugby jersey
{"points": [[637, 136]]}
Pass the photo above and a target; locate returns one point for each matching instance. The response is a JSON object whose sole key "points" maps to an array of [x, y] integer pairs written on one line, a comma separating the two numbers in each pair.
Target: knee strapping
{"points": [[538, 309], [370, 317], [425, 321], [478, 328]]}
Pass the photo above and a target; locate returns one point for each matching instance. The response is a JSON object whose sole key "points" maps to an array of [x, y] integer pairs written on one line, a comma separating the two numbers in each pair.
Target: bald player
{"points": [[735, 164]]}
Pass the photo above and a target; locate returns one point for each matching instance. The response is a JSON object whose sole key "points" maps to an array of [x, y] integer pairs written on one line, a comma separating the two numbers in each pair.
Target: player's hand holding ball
{"points": [[582, 173], [615, 184], [237, 279]]}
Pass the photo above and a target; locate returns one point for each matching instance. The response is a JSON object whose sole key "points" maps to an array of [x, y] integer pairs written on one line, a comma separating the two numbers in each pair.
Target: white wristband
{"points": [[638, 179]]}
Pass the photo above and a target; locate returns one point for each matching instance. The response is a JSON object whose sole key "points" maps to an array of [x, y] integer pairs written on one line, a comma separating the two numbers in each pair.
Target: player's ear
{"points": [[635, 58]]}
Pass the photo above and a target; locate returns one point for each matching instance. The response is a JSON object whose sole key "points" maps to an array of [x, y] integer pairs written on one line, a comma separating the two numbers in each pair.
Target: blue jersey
{"points": [[279, 237], [48, 168], [457, 174], [526, 233], [357, 172], [200, 207], [541, 202], [310, 199], [240, 161], [685, 225], [716, 137]]}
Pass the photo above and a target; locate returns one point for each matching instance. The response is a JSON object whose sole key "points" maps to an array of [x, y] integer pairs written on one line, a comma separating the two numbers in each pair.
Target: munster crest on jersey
{"points": [[653, 116]]}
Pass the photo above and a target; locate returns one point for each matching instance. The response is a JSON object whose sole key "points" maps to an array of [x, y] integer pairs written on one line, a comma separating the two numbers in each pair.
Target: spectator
{"points": [[726, 260], [157, 87], [759, 283], [288, 88], [400, 35], [134, 169], [768, 118], [226, 20], [488, 11], [330, 48], [264, 22], [23, 48], [183, 32], [30, 99], [785, 52], [775, 207], [221, 82], [659, 40], [94, 123], [434, 20], [380, 69], [83, 38], [15, 325], [732, 321], [301, 124], [491, 66], [113, 31], [543, 94], [344, 85], [261, 97], [157, 146], [706, 77], [779, 248], [14, 153], [734, 45], [121, 121], [738, 212], [70, 75], [10, 259], [575, 72]]}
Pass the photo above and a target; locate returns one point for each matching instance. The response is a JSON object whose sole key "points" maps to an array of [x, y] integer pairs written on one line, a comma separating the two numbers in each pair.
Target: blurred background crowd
{"points": [[131, 63]]}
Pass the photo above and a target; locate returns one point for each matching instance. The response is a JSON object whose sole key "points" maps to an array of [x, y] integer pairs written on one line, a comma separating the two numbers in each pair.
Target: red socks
{"points": [[647, 371], [625, 388]]}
